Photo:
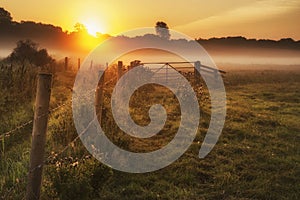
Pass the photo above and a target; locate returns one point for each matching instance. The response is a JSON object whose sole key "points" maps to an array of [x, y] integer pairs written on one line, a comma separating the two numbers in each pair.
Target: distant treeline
{"points": [[28, 29], [45, 34], [53, 37], [285, 43]]}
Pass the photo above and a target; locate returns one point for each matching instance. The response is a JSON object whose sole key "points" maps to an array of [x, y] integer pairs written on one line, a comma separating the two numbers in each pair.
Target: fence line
{"points": [[46, 161], [21, 179], [51, 111]]}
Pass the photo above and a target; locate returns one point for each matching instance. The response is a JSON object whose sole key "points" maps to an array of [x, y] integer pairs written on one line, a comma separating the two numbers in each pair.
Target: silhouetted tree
{"points": [[80, 28], [24, 53], [162, 30], [5, 16], [42, 58], [27, 52]]}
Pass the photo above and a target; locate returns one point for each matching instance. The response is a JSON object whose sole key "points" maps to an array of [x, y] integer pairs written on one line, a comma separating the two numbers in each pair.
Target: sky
{"points": [[263, 19]]}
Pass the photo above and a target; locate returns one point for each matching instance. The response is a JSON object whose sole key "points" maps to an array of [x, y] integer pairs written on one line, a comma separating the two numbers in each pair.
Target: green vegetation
{"points": [[256, 157]]}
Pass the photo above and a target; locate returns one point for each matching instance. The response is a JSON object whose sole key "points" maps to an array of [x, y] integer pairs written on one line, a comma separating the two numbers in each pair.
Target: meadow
{"points": [[256, 157]]}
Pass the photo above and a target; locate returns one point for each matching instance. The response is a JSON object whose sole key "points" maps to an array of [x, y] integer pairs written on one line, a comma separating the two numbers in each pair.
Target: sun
{"points": [[93, 27]]}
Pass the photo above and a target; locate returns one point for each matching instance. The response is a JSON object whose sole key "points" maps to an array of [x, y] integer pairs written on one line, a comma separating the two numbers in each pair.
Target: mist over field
{"points": [[227, 57], [231, 59]]}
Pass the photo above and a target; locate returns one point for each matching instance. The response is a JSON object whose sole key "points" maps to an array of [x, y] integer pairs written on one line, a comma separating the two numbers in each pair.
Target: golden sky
{"points": [[272, 19]]}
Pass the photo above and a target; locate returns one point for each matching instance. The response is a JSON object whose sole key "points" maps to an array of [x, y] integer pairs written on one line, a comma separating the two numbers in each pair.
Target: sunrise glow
{"points": [[273, 19], [93, 27]]}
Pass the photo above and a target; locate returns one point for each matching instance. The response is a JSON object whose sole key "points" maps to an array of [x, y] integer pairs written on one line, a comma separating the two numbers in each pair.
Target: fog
{"points": [[224, 58], [267, 59]]}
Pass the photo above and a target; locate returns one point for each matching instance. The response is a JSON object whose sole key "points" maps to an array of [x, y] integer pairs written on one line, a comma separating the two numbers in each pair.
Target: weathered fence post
{"points": [[133, 64], [78, 63], [99, 97], [39, 136], [119, 69], [167, 75], [216, 74], [197, 67], [66, 63], [91, 65]]}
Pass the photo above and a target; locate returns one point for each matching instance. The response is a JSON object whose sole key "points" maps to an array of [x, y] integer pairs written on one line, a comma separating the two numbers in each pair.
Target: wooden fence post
{"points": [[39, 136], [99, 97], [133, 64], [66, 63], [216, 74], [78, 63], [167, 74], [197, 67], [91, 65], [119, 70]]}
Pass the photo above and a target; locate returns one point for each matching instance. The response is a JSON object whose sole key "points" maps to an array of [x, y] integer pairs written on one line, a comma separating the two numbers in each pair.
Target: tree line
{"points": [[54, 37]]}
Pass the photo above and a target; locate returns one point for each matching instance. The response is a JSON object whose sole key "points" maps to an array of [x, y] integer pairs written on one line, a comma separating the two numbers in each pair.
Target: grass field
{"points": [[256, 157]]}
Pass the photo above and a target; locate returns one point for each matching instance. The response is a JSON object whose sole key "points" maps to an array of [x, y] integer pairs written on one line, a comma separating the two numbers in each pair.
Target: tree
{"points": [[79, 28], [24, 52], [42, 58], [5, 17], [27, 52], [162, 30]]}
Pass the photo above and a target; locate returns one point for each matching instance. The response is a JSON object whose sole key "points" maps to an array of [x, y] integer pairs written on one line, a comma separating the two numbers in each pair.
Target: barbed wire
{"points": [[8, 133], [65, 148], [46, 161], [56, 155], [73, 141]]}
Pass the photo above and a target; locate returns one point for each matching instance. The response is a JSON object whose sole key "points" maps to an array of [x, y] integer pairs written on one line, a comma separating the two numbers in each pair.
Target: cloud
{"points": [[259, 11]]}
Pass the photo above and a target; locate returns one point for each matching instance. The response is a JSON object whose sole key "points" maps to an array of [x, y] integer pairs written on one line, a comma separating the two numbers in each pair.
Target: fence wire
{"points": [[56, 155], [46, 161]]}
